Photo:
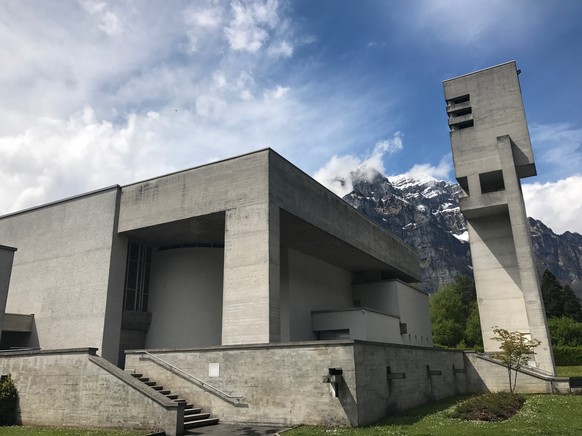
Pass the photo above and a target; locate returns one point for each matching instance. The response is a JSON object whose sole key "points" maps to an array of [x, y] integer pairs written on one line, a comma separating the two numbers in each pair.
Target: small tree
{"points": [[515, 351]]}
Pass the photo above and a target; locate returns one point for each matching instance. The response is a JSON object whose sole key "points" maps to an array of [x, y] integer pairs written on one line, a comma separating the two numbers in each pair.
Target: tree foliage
{"points": [[455, 316], [559, 300], [8, 401], [565, 332], [516, 349]]}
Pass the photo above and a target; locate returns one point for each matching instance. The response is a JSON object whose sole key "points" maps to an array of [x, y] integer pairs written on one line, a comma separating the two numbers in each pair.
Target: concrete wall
{"points": [[362, 324], [400, 300], [216, 187], [378, 395], [6, 260], [240, 188], [310, 284], [72, 388], [282, 384], [497, 110], [68, 271], [185, 298], [496, 272], [300, 195], [415, 313], [488, 375]]}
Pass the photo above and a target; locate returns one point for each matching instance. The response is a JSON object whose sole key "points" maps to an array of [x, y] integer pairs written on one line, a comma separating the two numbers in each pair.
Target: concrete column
{"points": [[524, 252], [251, 310]]}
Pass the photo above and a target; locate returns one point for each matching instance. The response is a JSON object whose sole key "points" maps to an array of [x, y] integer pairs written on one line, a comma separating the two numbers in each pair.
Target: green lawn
{"points": [[46, 431], [569, 371], [540, 415]]}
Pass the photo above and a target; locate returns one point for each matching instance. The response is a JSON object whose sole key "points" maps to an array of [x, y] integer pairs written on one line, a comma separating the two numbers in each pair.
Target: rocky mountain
{"points": [[425, 215]]}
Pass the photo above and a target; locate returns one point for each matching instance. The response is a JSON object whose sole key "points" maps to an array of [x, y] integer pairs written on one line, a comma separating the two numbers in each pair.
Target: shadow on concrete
{"points": [[236, 430], [412, 416]]}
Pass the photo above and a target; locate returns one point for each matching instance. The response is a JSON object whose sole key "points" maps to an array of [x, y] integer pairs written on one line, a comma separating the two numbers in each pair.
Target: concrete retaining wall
{"points": [[488, 375], [282, 384], [75, 388]]}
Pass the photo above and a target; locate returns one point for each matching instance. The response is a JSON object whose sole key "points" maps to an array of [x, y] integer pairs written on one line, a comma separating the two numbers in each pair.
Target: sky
{"points": [[96, 93]]}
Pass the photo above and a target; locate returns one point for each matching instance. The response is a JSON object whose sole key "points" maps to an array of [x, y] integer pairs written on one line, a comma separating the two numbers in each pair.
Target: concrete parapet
{"points": [[76, 388], [288, 384], [489, 375]]}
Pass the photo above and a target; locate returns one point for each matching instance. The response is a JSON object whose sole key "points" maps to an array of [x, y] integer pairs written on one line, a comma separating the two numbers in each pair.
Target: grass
{"points": [[540, 415], [47, 431], [569, 371]]}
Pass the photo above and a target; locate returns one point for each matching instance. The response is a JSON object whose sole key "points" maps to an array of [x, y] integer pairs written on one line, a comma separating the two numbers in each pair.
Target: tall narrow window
{"points": [[137, 277]]}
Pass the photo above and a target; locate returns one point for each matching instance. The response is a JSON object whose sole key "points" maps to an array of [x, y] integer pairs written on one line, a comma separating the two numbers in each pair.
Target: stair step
{"points": [[201, 423], [196, 417], [193, 416]]}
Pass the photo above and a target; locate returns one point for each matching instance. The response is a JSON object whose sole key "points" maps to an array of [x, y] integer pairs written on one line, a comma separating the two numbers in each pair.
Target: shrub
{"points": [[494, 407], [567, 356], [565, 331], [8, 401]]}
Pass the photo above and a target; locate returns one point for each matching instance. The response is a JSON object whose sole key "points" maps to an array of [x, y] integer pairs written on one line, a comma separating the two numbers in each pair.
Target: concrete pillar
{"points": [[524, 253], [251, 310]]}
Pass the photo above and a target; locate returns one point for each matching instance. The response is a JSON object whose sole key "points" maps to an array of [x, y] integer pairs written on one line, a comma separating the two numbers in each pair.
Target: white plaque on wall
{"points": [[213, 370]]}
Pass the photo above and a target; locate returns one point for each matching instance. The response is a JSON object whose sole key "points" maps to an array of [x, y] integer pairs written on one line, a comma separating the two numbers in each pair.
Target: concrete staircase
{"points": [[193, 416]]}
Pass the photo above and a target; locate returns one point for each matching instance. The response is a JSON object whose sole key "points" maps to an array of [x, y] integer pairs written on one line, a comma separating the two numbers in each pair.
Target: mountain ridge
{"points": [[425, 214]]}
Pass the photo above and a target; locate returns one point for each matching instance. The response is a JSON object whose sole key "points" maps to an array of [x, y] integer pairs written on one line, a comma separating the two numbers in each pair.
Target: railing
{"points": [[237, 400]]}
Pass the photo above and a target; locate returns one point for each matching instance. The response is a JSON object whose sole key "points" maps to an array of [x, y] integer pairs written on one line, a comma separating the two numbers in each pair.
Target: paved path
{"points": [[235, 430]]}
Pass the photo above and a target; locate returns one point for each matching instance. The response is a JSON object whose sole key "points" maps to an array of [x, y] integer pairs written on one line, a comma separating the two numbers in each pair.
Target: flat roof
{"points": [[479, 71]]}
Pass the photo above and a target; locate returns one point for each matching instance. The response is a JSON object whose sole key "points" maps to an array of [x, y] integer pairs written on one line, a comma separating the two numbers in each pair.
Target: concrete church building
{"points": [[247, 289], [249, 250]]}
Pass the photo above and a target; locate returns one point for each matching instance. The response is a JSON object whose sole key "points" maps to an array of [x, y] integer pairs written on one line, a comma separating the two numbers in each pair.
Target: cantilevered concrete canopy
{"points": [[307, 238]]}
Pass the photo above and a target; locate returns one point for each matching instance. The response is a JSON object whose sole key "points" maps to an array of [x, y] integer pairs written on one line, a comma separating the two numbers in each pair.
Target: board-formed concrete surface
{"points": [[238, 251], [76, 388], [288, 384], [492, 152]]}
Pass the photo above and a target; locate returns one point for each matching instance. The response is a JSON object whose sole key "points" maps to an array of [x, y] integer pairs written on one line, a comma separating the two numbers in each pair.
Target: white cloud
{"points": [[340, 172], [109, 22], [474, 24], [82, 110], [250, 25], [557, 204], [427, 171], [77, 154], [558, 146], [283, 49]]}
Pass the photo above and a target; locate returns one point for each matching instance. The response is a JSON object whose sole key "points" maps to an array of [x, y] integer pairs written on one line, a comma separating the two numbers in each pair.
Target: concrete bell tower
{"points": [[492, 152]]}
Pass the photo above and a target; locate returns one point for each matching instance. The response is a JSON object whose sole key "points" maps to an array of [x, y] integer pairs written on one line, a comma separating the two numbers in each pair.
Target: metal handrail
{"points": [[236, 399]]}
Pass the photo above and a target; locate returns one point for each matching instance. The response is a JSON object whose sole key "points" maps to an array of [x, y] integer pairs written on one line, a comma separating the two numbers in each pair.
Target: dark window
{"points": [[137, 277], [460, 112], [464, 185], [459, 99], [491, 182]]}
